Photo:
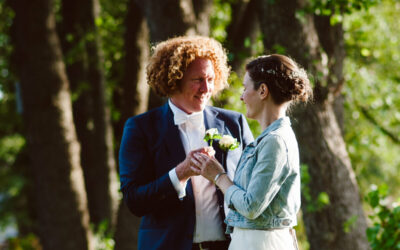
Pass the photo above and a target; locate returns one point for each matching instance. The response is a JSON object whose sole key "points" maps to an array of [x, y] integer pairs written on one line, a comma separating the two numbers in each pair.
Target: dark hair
{"points": [[285, 80]]}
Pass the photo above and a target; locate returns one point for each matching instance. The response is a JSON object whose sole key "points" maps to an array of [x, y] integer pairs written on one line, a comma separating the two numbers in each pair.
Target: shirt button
{"points": [[286, 222]]}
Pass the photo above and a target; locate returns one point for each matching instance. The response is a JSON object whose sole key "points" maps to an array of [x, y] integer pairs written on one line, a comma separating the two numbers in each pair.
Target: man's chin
{"points": [[200, 107]]}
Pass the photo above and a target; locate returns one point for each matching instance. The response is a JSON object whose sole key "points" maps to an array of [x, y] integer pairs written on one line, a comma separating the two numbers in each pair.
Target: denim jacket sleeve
{"points": [[268, 174]]}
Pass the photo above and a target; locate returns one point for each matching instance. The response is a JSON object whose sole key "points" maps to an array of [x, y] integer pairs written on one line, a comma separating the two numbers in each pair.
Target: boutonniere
{"points": [[211, 135], [226, 142]]}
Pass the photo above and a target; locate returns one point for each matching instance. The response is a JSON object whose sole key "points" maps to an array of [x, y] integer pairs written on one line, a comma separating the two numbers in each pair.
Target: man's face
{"points": [[196, 87]]}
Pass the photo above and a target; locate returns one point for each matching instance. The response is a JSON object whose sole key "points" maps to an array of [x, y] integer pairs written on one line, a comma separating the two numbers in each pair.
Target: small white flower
{"points": [[211, 132], [227, 142], [210, 135]]}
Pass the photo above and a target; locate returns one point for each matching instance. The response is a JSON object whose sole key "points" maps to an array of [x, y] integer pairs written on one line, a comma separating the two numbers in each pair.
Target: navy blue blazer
{"points": [[151, 146]]}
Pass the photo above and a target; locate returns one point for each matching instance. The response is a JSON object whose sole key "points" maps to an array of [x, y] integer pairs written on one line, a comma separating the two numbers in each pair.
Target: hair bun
{"points": [[301, 88], [285, 79]]}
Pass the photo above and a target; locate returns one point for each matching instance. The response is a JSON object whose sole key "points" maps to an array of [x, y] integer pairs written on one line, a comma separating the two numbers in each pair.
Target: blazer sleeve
{"points": [[143, 192]]}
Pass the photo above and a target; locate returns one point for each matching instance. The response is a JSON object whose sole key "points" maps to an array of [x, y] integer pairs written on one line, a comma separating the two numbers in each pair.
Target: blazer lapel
{"points": [[172, 137]]}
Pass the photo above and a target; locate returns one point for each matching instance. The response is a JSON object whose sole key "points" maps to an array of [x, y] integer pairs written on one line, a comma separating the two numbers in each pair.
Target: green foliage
{"points": [[230, 99], [336, 9], [220, 19], [12, 181], [103, 239], [29, 242], [112, 29], [372, 86], [384, 234], [8, 96], [301, 233], [312, 204], [350, 223], [329, 7]]}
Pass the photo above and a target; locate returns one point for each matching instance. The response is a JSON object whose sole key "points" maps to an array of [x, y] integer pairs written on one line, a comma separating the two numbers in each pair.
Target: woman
{"points": [[264, 196]]}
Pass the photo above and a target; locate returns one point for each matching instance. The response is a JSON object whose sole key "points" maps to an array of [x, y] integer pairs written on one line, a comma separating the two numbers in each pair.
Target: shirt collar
{"points": [[181, 116], [284, 121]]}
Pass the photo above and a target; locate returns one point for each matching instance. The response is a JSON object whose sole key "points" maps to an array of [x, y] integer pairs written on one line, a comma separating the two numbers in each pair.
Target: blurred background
{"points": [[73, 71]]}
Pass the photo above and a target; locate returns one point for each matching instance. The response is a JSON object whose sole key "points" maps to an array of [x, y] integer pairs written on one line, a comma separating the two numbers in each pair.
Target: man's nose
{"points": [[205, 86]]}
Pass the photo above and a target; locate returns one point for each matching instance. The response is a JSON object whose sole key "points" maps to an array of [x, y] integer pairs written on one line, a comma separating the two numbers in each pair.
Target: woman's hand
{"points": [[207, 166], [184, 170], [210, 168]]}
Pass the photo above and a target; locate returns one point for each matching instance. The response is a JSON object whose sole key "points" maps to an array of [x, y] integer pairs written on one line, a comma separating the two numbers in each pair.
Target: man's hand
{"points": [[208, 167], [184, 170]]}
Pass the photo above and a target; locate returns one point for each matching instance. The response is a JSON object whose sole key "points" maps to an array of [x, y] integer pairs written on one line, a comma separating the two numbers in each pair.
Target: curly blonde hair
{"points": [[172, 57]]}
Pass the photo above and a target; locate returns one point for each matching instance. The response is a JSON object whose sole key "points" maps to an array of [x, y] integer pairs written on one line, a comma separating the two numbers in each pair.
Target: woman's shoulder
{"points": [[279, 139]]}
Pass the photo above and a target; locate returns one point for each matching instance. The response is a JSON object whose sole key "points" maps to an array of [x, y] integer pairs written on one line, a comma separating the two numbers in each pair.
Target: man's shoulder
{"points": [[148, 116]]}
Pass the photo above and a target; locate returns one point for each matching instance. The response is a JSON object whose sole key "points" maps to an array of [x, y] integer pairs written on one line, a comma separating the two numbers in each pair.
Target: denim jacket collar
{"points": [[281, 122]]}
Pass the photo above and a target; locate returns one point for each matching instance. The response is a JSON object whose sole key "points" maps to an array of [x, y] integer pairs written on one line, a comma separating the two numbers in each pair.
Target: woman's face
{"points": [[251, 98]]}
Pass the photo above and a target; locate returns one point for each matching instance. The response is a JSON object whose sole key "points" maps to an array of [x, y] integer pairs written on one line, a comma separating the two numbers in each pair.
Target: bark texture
{"points": [[131, 98], [52, 144], [82, 47], [242, 33], [132, 94], [322, 147]]}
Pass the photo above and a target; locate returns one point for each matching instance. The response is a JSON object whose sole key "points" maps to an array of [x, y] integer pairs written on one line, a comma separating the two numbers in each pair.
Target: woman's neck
{"points": [[270, 114]]}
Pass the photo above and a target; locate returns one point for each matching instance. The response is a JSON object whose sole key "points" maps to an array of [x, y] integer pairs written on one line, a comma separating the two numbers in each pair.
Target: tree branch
{"points": [[372, 120]]}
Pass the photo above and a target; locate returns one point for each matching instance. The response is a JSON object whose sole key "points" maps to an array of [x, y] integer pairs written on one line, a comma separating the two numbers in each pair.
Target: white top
{"points": [[208, 225]]}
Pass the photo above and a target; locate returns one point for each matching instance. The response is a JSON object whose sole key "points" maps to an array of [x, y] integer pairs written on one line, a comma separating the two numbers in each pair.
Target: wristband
{"points": [[217, 177]]}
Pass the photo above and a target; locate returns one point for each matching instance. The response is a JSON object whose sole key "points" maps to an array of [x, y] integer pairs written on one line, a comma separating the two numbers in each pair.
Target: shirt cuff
{"points": [[180, 189]]}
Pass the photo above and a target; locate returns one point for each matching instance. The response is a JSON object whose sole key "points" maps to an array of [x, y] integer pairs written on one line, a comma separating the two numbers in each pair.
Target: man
{"points": [[180, 210]]}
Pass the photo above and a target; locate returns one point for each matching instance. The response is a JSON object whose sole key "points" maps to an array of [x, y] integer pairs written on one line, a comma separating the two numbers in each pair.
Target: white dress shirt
{"points": [[208, 225]]}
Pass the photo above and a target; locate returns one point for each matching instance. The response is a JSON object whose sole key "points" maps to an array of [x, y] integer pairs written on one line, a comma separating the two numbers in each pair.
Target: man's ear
{"points": [[263, 91]]}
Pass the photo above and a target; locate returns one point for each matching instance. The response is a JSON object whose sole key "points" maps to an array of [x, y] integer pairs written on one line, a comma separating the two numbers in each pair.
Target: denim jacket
{"points": [[266, 190]]}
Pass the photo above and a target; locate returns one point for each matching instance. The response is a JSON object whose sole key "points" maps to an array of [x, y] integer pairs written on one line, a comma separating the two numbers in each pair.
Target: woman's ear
{"points": [[263, 91]]}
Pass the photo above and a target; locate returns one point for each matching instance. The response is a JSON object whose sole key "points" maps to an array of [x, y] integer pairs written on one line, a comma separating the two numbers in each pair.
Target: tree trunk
{"points": [[202, 10], [170, 18], [91, 115], [131, 98], [53, 147], [341, 223], [332, 41], [244, 25], [126, 234]]}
